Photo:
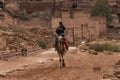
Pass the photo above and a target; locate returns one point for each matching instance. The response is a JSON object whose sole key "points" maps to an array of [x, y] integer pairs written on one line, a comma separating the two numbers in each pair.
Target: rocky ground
{"points": [[45, 66]]}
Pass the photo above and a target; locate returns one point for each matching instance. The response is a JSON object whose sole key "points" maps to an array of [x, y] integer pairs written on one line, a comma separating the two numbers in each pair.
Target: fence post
{"points": [[82, 31], [73, 37], [89, 36]]}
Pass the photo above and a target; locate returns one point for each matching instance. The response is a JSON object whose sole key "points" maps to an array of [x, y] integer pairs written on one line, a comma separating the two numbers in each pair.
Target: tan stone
{"points": [[96, 68], [93, 52], [83, 47]]}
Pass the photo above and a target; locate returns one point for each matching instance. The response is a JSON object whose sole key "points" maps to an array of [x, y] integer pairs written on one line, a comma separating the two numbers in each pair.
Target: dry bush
{"points": [[105, 46], [19, 29]]}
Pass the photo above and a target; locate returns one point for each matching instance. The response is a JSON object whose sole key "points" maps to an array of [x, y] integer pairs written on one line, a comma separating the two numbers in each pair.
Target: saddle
{"points": [[64, 41]]}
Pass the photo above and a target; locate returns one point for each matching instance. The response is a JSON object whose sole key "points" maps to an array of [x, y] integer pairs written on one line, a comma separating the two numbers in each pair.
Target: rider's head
{"points": [[60, 23]]}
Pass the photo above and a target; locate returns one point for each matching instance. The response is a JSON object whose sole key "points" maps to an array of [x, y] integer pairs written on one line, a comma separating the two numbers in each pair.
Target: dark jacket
{"points": [[60, 29]]}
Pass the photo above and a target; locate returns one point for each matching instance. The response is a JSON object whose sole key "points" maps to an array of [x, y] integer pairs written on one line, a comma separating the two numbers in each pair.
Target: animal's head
{"points": [[60, 38]]}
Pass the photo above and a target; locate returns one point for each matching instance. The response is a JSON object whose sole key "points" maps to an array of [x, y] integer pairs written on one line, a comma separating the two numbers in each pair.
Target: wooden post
{"points": [[82, 31], [89, 35], [73, 37]]}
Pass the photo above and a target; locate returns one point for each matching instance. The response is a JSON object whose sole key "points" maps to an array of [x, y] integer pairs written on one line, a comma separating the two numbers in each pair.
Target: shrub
{"points": [[116, 48], [101, 8], [105, 46], [3, 28], [19, 30], [111, 47], [19, 40], [46, 15], [96, 47], [42, 44], [23, 15], [34, 15]]}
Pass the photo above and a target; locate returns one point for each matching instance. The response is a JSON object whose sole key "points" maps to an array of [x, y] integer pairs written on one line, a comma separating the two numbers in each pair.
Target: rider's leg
{"points": [[56, 41]]}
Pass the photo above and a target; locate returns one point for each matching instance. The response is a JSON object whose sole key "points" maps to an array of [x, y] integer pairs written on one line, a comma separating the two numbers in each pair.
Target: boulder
{"points": [[96, 68], [93, 52], [83, 47]]}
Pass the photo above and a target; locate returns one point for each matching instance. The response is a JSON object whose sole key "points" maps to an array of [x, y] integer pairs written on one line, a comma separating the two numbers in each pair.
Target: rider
{"points": [[60, 32]]}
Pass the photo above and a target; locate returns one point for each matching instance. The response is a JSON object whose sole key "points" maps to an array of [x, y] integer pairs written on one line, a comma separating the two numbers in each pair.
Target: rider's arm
{"points": [[58, 31], [64, 28]]}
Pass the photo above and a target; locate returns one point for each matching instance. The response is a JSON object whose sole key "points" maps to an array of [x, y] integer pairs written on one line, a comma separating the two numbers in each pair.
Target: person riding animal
{"points": [[61, 32]]}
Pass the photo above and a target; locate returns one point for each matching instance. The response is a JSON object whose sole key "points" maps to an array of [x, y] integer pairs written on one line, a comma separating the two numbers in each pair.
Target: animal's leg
{"points": [[60, 63], [63, 63], [60, 60]]}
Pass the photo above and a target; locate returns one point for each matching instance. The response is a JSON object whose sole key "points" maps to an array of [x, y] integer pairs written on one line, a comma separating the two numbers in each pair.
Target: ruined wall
{"points": [[36, 6], [92, 26]]}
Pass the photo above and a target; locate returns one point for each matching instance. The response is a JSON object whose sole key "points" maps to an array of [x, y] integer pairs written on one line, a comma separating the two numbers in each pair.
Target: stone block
{"points": [[93, 52], [96, 68]]}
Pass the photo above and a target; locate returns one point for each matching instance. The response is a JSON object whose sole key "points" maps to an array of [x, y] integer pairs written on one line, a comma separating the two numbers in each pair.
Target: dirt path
{"points": [[79, 66]]}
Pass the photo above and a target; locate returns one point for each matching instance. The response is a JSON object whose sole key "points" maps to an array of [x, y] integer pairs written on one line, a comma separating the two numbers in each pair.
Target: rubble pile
{"points": [[114, 74]]}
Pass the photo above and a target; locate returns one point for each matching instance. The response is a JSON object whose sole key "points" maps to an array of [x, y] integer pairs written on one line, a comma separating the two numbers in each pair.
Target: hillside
{"points": [[30, 32]]}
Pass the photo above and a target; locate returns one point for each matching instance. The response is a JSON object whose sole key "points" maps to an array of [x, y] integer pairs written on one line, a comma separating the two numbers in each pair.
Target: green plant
{"points": [[34, 14], [116, 48], [3, 28], [105, 46], [19, 40], [46, 15], [42, 44], [101, 9], [23, 15], [96, 47], [19, 30]]}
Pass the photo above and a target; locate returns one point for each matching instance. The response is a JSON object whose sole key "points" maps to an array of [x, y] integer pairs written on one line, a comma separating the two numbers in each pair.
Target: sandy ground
{"points": [[45, 66]]}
